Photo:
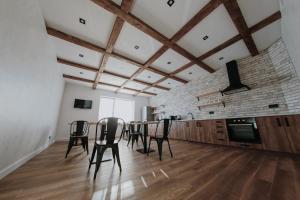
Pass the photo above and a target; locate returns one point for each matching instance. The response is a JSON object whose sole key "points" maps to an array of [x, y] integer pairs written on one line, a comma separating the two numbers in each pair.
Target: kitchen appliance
{"points": [[235, 84], [243, 130], [147, 113]]}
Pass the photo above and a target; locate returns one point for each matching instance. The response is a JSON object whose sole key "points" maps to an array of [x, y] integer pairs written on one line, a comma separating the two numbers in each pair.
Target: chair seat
{"points": [[157, 137], [79, 136], [136, 133], [103, 142]]}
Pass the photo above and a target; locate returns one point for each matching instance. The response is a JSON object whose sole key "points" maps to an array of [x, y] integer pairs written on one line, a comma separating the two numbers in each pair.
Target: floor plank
{"points": [[197, 171]]}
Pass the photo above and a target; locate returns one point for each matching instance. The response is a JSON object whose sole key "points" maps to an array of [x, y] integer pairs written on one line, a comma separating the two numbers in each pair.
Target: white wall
{"points": [[31, 84], [68, 113], [290, 10]]}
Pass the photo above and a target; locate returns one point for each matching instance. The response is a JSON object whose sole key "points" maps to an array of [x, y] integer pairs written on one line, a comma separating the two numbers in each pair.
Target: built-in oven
{"points": [[243, 130]]}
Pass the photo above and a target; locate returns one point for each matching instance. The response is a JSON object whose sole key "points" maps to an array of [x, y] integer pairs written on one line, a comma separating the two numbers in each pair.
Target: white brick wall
{"points": [[270, 75]]}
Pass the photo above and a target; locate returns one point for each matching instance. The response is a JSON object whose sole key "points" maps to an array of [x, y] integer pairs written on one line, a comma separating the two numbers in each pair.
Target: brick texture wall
{"points": [[270, 75]]}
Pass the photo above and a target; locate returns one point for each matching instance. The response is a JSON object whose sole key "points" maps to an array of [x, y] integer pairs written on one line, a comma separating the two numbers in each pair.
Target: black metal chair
{"points": [[79, 130], [108, 128], [134, 134], [162, 131]]}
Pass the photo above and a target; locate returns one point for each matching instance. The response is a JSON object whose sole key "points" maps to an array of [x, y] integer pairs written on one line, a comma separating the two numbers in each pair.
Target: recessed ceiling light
{"points": [[205, 37], [136, 47], [171, 2], [169, 83], [169, 63], [80, 72], [82, 21], [221, 58], [190, 72], [148, 76], [81, 55]]}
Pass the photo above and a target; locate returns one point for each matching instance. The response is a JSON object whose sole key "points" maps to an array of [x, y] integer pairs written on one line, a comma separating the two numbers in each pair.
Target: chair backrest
{"points": [[163, 128], [79, 128], [134, 125], [108, 128]]}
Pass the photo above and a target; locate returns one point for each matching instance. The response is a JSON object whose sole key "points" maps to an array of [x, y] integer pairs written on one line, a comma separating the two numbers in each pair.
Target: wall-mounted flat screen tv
{"points": [[83, 104]]}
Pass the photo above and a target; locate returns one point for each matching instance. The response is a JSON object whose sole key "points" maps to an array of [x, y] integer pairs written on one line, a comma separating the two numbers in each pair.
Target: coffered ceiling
{"points": [[143, 47]]}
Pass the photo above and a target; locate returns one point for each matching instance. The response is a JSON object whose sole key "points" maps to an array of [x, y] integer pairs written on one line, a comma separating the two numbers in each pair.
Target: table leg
{"points": [[145, 144]]}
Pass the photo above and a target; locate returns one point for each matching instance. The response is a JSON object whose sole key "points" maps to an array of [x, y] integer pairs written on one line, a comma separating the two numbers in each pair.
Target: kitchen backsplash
{"points": [[270, 75]]}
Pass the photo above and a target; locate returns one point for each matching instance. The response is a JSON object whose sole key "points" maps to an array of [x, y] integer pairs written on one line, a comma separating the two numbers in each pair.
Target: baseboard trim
{"points": [[6, 171]]}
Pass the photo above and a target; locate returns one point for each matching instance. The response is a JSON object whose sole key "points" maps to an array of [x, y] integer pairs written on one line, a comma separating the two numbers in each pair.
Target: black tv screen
{"points": [[83, 104]]}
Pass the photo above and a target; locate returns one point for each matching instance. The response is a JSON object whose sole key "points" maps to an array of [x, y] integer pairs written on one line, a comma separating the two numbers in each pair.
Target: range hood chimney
{"points": [[235, 84]]}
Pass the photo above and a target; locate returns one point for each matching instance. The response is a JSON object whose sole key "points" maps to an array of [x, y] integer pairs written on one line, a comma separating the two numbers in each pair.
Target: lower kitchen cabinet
{"points": [[219, 133], [292, 128], [273, 133]]}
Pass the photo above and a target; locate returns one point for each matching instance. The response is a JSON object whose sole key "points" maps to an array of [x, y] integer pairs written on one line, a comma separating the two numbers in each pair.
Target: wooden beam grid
{"points": [[124, 15]]}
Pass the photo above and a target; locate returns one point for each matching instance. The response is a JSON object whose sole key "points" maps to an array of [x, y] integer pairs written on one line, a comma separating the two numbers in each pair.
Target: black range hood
{"points": [[235, 84]]}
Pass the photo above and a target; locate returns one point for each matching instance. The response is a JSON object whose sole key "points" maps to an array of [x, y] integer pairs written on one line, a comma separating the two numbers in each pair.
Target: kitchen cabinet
{"points": [[219, 133], [292, 127], [273, 133]]}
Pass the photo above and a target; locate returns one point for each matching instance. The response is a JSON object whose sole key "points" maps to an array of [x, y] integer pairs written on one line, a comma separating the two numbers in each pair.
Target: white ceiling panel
{"points": [[81, 73], [106, 78], [120, 67], [155, 90], [192, 73], [170, 83], [130, 37], [127, 91], [265, 37], [233, 52], [64, 15], [256, 10], [106, 87], [149, 76], [135, 85], [72, 52], [218, 26], [170, 61], [168, 20], [81, 83]]}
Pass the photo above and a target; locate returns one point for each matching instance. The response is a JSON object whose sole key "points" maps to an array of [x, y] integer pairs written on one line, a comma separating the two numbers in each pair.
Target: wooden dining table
{"points": [[144, 150]]}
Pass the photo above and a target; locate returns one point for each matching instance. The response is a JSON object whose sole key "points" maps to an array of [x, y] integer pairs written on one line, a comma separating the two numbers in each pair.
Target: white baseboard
{"points": [[23, 160]]}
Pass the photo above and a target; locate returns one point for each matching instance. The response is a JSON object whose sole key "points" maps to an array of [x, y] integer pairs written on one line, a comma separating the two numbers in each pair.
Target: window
{"points": [[115, 107]]}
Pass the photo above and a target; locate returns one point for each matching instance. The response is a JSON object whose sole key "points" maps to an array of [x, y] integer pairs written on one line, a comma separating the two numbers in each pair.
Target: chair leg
{"points": [[137, 140], [100, 152], [129, 138], [116, 147], [83, 143], [87, 145], [93, 155], [132, 142], [170, 148], [159, 145], [142, 138], [114, 154], [70, 145], [149, 146]]}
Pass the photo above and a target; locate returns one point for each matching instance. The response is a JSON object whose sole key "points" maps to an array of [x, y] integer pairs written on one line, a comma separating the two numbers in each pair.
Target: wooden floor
{"points": [[197, 171]]}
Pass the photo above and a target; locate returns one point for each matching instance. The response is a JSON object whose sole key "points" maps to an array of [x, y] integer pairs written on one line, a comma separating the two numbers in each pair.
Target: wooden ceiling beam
{"points": [[269, 20], [125, 6], [88, 68], [238, 19], [102, 83], [142, 26]]}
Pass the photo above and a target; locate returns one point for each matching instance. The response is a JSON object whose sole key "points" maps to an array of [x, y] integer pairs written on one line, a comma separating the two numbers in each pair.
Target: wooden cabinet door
{"points": [[292, 127], [206, 132], [152, 129], [273, 134], [181, 130], [173, 130], [194, 130]]}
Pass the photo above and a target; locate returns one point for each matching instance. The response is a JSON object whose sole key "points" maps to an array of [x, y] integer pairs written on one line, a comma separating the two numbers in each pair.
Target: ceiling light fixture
{"points": [[205, 37], [81, 55], [169, 83], [169, 63], [221, 58], [136, 47], [190, 73], [82, 21], [80, 72], [171, 2], [148, 76]]}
